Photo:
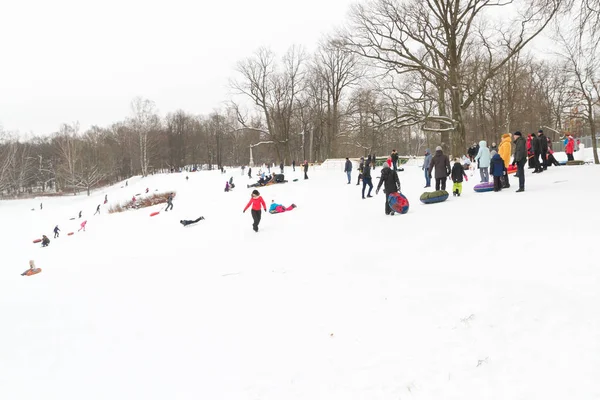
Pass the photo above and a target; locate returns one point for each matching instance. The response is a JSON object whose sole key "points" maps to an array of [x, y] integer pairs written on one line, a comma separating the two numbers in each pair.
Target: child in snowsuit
{"points": [[458, 172], [278, 208], [82, 226], [186, 222], [256, 201], [497, 170], [226, 187], [231, 185], [56, 230], [45, 241]]}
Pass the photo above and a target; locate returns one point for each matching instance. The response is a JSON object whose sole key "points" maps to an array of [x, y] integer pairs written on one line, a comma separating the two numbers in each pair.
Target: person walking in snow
{"points": [[257, 202], [231, 185], [520, 159], [483, 158], [497, 170], [367, 180], [361, 168], [441, 163], [186, 222], [570, 147], [56, 230], [82, 226], [537, 152], [227, 187], [457, 173], [79, 214], [305, 169], [543, 149], [504, 151], [281, 167], [395, 159], [250, 172], [348, 169], [389, 178], [170, 202], [426, 164], [105, 198], [294, 165], [97, 210]]}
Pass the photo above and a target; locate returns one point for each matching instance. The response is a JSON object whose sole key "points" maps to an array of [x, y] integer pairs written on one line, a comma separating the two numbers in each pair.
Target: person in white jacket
{"points": [[483, 160]]}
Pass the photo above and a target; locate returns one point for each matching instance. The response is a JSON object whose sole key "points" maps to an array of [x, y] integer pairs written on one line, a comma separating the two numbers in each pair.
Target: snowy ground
{"points": [[486, 296]]}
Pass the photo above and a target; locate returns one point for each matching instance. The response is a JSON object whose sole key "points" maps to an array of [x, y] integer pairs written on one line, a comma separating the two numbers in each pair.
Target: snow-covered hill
{"points": [[486, 296]]}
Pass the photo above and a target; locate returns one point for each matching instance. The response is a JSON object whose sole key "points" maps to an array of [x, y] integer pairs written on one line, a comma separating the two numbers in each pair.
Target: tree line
{"points": [[404, 75]]}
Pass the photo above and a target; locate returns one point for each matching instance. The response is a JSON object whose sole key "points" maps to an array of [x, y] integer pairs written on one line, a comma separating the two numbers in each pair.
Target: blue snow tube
{"points": [[434, 197], [398, 202], [484, 187]]}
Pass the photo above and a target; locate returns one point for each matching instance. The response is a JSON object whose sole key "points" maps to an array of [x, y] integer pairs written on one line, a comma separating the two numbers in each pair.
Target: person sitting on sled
{"points": [[32, 269]]}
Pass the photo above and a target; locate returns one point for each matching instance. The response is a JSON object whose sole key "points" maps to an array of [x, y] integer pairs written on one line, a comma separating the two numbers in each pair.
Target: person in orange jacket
{"points": [[257, 202]]}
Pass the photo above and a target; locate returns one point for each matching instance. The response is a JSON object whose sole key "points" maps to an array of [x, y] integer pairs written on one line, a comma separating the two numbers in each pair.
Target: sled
{"points": [[295, 180], [70, 233], [511, 169], [72, 219], [30, 272], [155, 213], [484, 187], [575, 162], [434, 197], [37, 240], [398, 202]]}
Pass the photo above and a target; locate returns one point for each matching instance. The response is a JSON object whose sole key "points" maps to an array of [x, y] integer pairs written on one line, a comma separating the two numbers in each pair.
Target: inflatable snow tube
{"points": [[398, 202], [562, 162], [484, 187], [70, 233], [33, 271], [155, 213], [575, 162], [511, 169], [37, 240], [434, 197]]}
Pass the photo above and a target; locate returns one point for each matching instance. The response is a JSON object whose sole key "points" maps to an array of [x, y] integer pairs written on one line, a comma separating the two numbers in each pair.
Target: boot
{"points": [[520, 190]]}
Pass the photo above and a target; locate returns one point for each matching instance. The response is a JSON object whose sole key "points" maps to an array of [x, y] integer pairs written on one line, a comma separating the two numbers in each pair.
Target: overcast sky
{"points": [[77, 60]]}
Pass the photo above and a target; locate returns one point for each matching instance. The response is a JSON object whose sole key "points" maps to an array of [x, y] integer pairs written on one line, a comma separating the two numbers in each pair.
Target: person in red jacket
{"points": [[256, 202], [570, 148]]}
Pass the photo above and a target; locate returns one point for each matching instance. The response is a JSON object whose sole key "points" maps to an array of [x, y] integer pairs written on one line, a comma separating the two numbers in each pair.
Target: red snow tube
{"points": [[511, 169], [37, 240], [33, 271], [155, 213], [70, 233]]}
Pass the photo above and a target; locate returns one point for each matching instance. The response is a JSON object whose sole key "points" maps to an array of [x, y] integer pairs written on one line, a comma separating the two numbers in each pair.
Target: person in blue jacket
{"points": [[348, 169], [425, 168], [497, 170], [483, 158]]}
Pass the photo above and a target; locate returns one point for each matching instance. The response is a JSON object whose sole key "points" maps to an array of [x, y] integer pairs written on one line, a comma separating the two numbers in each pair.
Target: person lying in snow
{"points": [[186, 222], [278, 208]]}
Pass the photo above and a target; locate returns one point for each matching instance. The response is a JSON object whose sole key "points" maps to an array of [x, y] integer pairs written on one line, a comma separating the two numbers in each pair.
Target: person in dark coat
{"points": [[186, 222], [543, 148], [169, 202], [395, 159], [294, 165], [520, 158], [250, 172], [389, 177], [497, 170], [56, 230], [97, 210], [348, 169], [45, 241], [458, 173], [281, 167], [305, 169], [369, 160], [537, 152], [441, 163], [361, 167], [367, 181]]}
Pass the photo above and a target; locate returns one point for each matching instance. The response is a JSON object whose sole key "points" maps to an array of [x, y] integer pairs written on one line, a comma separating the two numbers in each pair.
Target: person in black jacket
{"points": [[186, 222], [520, 159], [395, 159], [366, 177], [458, 172], [543, 148], [305, 169], [392, 185], [361, 167], [45, 241], [537, 152], [441, 162]]}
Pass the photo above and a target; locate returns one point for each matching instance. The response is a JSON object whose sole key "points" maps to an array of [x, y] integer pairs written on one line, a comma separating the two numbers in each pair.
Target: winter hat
{"points": [[517, 133], [255, 192], [540, 131], [439, 148]]}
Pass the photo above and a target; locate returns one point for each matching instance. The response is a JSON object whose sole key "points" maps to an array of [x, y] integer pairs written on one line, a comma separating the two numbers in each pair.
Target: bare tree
{"points": [[143, 121], [437, 38]]}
